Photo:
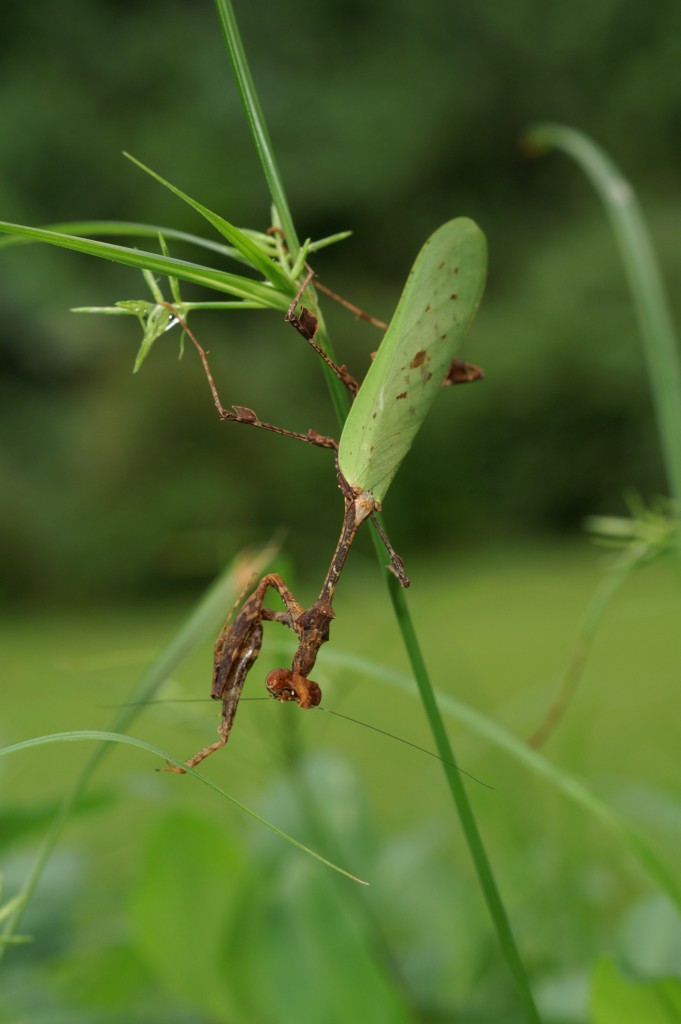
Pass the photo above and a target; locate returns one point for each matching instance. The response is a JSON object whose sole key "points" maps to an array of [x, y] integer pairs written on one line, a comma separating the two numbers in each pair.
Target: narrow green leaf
{"points": [[243, 242], [78, 736], [646, 284], [256, 121], [172, 281], [158, 320], [120, 309], [297, 268], [127, 227], [220, 280], [127, 307], [322, 243], [438, 303]]}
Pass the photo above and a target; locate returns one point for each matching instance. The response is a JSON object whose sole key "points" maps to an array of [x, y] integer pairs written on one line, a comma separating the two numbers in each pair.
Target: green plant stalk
{"points": [[341, 403], [126, 227], [261, 140], [458, 791], [105, 737], [256, 122], [660, 344], [200, 624], [219, 280]]}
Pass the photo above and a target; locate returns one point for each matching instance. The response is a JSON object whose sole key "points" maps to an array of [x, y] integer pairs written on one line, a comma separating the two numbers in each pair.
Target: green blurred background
{"points": [[387, 120], [122, 497]]}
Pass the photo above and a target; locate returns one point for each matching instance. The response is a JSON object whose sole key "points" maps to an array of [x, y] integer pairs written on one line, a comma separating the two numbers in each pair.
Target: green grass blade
{"points": [[250, 251], [130, 228], [648, 292], [457, 789], [201, 624], [98, 735], [172, 281], [256, 122], [220, 280], [157, 321], [263, 146], [322, 243], [136, 229], [129, 307]]}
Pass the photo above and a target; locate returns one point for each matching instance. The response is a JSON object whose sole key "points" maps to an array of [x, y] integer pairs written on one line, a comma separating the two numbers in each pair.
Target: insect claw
{"points": [[170, 767]]}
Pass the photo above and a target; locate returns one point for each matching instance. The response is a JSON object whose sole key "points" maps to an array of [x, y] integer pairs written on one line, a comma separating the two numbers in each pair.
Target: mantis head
{"points": [[285, 685]]}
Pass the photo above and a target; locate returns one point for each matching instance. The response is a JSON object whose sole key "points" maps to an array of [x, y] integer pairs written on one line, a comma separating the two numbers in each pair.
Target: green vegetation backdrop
{"points": [[162, 903], [386, 121]]}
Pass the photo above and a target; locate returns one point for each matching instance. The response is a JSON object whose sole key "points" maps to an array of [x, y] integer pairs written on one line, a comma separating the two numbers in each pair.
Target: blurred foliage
{"points": [[162, 904], [387, 120]]}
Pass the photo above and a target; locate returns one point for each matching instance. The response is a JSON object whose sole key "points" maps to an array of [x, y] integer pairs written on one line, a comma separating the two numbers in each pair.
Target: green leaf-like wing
{"points": [[438, 303]]}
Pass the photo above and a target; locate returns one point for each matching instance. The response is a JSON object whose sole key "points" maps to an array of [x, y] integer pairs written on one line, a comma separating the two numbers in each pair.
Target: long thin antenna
{"points": [[400, 739], [336, 714]]}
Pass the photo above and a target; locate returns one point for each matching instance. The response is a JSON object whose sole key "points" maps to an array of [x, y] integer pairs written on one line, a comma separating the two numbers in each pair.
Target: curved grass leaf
{"points": [[250, 250], [220, 280], [646, 283], [132, 741], [134, 229], [438, 303], [256, 121]]}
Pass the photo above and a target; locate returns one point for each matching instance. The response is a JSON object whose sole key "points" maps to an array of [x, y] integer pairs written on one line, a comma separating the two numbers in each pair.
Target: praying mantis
{"points": [[416, 357]]}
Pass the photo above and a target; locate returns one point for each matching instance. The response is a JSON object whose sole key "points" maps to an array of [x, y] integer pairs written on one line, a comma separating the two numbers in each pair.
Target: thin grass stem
{"points": [[464, 809], [256, 122]]}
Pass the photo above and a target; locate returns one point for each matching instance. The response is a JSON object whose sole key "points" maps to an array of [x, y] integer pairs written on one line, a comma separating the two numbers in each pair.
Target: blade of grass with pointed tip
{"points": [[126, 227], [646, 284], [140, 230], [220, 280], [101, 736], [158, 320], [438, 303], [256, 121], [251, 252]]}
